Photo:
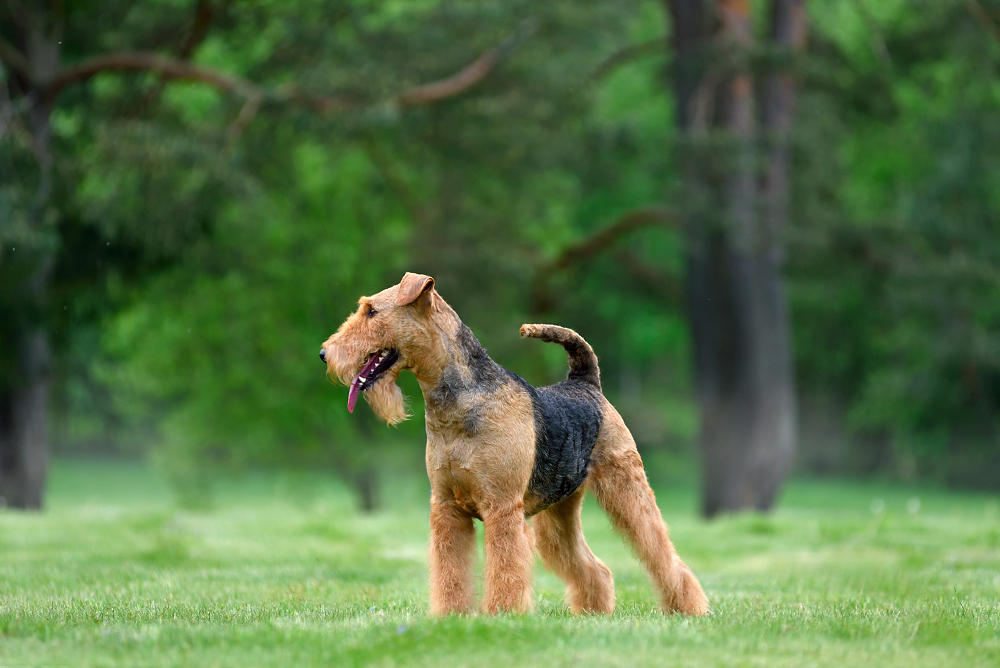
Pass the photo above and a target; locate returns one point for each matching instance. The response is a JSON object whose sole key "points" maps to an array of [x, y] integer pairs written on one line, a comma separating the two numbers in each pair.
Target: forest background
{"points": [[193, 195]]}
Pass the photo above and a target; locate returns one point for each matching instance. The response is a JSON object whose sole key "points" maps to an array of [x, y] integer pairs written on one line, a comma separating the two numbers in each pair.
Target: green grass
{"points": [[283, 572]]}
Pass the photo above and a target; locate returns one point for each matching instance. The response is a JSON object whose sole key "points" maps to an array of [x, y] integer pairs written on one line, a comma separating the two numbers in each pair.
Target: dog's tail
{"points": [[582, 360]]}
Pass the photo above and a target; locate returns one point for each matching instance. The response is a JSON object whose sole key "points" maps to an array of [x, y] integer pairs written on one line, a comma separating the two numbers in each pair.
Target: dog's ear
{"points": [[413, 287]]}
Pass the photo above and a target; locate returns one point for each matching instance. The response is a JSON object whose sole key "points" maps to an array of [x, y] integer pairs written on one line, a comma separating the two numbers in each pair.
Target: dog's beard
{"points": [[387, 400], [385, 397]]}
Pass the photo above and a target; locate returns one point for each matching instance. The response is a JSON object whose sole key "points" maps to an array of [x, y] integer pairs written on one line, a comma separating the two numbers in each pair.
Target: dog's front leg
{"points": [[452, 541], [509, 559]]}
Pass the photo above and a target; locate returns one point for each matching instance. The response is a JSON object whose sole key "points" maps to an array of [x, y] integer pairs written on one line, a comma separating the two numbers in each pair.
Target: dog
{"points": [[502, 451]]}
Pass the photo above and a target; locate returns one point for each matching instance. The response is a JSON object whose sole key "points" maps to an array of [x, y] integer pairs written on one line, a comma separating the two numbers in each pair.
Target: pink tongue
{"points": [[352, 396]]}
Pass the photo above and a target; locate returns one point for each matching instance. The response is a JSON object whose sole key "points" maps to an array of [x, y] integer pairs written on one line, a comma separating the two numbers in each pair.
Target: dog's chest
{"points": [[450, 455], [480, 444]]}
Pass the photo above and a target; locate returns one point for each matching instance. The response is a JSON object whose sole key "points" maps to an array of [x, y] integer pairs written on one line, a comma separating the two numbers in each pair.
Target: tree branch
{"points": [[204, 12], [471, 74], [14, 59], [247, 113], [141, 61], [601, 239], [591, 245], [172, 68], [878, 45], [628, 54], [664, 285], [983, 18]]}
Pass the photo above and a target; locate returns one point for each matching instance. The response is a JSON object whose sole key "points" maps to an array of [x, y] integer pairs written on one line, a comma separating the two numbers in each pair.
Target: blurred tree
{"points": [[735, 226], [125, 157], [226, 178], [343, 205], [896, 274]]}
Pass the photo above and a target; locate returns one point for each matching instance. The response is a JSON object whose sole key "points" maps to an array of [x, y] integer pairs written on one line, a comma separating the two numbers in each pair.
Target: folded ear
{"points": [[412, 287]]}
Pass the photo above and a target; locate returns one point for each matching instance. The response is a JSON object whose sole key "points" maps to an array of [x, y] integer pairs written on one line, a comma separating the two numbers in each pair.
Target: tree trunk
{"points": [[787, 33], [24, 404], [367, 488], [735, 292], [362, 467], [24, 447]]}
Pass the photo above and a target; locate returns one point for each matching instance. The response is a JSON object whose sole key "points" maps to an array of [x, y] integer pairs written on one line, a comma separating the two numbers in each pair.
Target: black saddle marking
{"points": [[568, 418]]}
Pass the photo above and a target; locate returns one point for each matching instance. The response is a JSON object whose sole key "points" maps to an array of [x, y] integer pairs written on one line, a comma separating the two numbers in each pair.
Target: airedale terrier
{"points": [[502, 451]]}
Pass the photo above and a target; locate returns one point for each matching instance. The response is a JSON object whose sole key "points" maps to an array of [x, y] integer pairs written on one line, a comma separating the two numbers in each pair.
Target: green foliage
{"points": [[284, 572], [272, 237], [228, 349], [202, 262], [897, 308]]}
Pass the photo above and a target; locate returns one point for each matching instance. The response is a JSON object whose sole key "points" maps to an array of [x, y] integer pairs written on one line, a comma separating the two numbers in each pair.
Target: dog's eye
{"points": [[372, 312]]}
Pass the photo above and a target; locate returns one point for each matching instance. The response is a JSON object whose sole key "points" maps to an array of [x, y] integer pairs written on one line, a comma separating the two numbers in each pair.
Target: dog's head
{"points": [[389, 332]]}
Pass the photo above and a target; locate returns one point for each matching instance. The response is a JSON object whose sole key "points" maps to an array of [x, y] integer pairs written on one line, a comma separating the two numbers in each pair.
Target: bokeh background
{"points": [[775, 222]]}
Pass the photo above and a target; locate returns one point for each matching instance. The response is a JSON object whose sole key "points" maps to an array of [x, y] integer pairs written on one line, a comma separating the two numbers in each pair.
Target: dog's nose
{"points": [[322, 354]]}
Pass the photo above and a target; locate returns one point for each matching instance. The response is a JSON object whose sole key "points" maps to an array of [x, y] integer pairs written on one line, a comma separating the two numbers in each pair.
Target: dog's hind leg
{"points": [[453, 537], [559, 539], [619, 482]]}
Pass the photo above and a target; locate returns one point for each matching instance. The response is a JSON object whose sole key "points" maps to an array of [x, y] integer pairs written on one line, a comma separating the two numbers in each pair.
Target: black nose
{"points": [[322, 354]]}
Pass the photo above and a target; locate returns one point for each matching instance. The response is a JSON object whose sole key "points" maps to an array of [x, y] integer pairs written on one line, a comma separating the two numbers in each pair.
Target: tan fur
{"points": [[486, 475], [619, 483], [453, 539], [487, 479], [582, 360], [559, 537], [359, 336]]}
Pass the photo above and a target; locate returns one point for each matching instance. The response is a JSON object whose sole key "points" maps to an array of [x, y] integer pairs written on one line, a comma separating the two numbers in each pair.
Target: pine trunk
{"points": [[24, 447], [24, 402], [735, 290]]}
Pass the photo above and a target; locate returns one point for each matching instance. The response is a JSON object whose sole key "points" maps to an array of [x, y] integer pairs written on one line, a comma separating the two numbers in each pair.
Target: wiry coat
{"points": [[502, 451]]}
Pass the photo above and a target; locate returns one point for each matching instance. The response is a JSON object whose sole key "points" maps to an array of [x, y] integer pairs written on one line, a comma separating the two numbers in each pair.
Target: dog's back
{"points": [[568, 417]]}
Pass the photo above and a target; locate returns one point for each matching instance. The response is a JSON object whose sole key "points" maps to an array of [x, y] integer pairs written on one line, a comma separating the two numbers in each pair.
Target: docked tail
{"points": [[582, 360]]}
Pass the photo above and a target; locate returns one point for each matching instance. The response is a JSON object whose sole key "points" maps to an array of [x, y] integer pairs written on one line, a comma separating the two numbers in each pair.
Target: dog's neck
{"points": [[458, 364]]}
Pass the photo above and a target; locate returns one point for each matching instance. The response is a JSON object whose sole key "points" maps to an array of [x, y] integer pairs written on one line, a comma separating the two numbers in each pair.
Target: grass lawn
{"points": [[283, 572]]}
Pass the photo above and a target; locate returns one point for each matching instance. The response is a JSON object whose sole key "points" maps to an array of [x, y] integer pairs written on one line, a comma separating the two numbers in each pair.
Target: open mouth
{"points": [[378, 363]]}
